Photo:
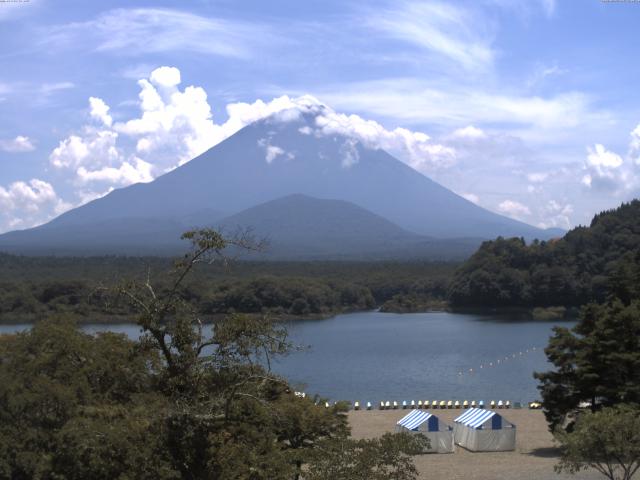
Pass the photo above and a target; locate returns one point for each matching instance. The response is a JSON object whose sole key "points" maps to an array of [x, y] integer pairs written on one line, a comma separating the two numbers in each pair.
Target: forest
{"points": [[584, 266], [34, 287]]}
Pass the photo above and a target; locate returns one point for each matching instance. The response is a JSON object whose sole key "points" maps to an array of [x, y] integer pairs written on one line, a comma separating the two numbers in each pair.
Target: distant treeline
{"points": [[586, 265], [33, 287]]}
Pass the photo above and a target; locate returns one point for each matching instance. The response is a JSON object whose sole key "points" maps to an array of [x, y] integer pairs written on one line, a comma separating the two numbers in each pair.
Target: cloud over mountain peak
{"points": [[176, 124]]}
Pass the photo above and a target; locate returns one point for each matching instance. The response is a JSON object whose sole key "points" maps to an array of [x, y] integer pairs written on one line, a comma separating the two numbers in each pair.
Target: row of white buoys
{"points": [[497, 362], [441, 404]]}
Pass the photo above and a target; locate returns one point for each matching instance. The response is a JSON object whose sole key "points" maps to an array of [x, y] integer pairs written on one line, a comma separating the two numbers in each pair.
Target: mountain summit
{"points": [[294, 151]]}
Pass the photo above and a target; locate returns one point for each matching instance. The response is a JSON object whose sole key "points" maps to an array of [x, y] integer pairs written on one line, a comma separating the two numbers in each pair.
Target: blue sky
{"points": [[528, 108]]}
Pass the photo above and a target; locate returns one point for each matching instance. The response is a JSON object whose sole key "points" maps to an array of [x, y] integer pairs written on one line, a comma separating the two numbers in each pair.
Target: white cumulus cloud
{"points": [[86, 196], [166, 76], [25, 204], [469, 132], [600, 157], [413, 147], [349, 152], [472, 197], [18, 144], [273, 151], [93, 147], [605, 170], [127, 173], [556, 215], [537, 177], [514, 209], [100, 111], [175, 125]]}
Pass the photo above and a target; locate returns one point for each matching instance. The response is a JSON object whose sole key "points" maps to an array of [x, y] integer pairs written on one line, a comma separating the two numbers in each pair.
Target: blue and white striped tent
{"points": [[481, 430], [439, 434]]}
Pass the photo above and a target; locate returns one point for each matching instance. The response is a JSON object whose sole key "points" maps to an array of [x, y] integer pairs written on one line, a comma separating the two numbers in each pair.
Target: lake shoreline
{"points": [[206, 320], [521, 313]]}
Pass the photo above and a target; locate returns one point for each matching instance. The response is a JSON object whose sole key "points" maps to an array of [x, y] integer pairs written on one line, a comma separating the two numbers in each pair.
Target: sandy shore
{"points": [[534, 457]]}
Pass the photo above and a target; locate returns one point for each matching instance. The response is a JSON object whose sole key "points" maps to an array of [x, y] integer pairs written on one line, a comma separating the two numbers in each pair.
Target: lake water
{"points": [[373, 356]]}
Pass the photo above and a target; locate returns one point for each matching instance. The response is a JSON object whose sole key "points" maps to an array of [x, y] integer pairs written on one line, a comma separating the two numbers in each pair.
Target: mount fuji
{"points": [[321, 193]]}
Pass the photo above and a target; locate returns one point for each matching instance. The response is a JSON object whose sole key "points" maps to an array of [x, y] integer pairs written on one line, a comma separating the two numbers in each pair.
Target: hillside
{"points": [[137, 236], [587, 264], [299, 226], [243, 172]]}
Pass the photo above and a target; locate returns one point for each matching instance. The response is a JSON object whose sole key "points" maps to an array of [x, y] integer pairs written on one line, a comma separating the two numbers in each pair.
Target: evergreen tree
{"points": [[598, 361]]}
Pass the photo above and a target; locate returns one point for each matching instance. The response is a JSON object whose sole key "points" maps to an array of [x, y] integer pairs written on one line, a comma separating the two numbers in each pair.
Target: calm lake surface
{"points": [[373, 356]]}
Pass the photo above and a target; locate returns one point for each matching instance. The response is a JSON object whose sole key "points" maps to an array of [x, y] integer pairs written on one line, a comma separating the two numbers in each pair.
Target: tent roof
{"points": [[475, 417], [414, 419]]}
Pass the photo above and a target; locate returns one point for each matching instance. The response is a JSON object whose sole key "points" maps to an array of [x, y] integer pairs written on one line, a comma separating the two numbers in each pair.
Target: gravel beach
{"points": [[533, 459]]}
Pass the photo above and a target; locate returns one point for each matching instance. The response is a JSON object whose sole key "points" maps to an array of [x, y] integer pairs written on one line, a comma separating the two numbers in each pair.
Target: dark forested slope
{"points": [[587, 264]]}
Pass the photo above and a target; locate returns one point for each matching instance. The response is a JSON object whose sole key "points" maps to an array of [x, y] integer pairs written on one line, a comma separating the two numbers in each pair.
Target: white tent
{"points": [[439, 434], [482, 430]]}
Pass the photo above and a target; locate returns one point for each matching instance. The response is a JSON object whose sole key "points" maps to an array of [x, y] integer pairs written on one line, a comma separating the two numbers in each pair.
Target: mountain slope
{"points": [[273, 158], [299, 226], [114, 236], [587, 264]]}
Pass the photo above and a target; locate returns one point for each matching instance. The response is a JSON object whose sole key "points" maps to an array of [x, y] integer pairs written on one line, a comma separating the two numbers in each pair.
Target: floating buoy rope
{"points": [[499, 361]]}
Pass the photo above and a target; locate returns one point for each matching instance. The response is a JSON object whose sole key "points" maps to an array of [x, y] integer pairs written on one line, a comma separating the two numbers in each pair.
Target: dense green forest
{"points": [[584, 266], [33, 287]]}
